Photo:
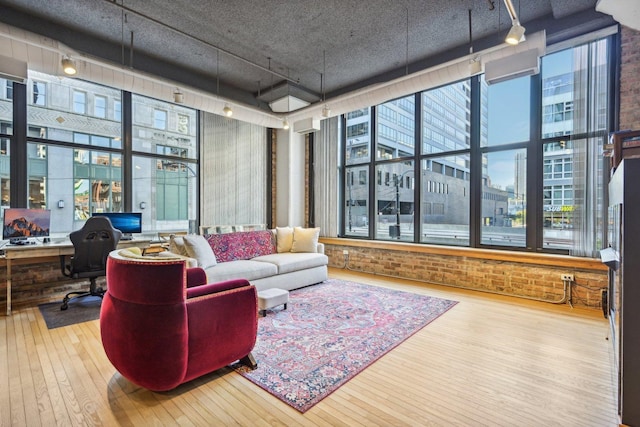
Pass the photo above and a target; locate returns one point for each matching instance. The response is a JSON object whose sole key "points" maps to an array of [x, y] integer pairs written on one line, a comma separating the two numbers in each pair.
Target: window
{"points": [[117, 110], [166, 179], [100, 107], [79, 102], [9, 89], [159, 119], [39, 93], [89, 174], [463, 168]]}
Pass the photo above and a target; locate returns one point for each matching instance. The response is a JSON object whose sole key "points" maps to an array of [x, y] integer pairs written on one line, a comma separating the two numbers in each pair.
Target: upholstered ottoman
{"points": [[270, 298]]}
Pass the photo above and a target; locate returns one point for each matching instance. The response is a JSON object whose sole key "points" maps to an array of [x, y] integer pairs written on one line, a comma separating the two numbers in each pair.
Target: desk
{"points": [[33, 254]]}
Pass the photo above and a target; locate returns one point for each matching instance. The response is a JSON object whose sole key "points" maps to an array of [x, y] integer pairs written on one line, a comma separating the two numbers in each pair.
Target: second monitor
{"points": [[127, 222]]}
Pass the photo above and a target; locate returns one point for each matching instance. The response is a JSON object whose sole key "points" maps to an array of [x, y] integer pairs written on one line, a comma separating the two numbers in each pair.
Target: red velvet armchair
{"points": [[159, 333]]}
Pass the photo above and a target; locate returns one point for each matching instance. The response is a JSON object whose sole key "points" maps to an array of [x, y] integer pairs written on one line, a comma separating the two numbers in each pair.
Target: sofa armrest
{"points": [[320, 248], [196, 277], [212, 288]]}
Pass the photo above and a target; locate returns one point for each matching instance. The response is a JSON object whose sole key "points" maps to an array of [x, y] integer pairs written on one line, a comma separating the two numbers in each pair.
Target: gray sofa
{"points": [[273, 267]]}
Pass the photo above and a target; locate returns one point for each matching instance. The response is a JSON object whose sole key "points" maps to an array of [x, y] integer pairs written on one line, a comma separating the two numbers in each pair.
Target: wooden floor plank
{"points": [[489, 361]]}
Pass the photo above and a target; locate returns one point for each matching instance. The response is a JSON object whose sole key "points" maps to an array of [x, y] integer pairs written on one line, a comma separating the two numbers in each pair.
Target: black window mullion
{"points": [[373, 161], [534, 220], [417, 168], [127, 156], [19, 190], [475, 183]]}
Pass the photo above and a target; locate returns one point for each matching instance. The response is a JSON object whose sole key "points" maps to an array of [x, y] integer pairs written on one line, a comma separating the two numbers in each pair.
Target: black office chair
{"points": [[91, 244]]}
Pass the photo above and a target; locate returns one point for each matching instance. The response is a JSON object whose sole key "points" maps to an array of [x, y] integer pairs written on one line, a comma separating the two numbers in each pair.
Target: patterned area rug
{"points": [[329, 333]]}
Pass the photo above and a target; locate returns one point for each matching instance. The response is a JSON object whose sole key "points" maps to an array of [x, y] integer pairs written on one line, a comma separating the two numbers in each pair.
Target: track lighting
{"points": [[178, 97], [285, 124], [69, 66], [227, 111], [516, 34]]}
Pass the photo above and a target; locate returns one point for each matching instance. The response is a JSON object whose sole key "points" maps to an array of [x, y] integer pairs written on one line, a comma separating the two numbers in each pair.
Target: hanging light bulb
{"points": [[285, 124], [227, 111], [326, 112]]}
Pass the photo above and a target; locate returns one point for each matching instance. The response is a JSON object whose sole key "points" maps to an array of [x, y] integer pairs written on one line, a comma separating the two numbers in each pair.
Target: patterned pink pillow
{"points": [[241, 245]]}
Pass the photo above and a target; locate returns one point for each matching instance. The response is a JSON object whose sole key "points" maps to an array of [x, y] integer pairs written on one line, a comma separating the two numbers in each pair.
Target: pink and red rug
{"points": [[329, 333]]}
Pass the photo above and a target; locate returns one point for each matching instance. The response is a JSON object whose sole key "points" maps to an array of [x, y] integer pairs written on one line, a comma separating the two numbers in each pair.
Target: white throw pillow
{"points": [[305, 239], [176, 245], [284, 239], [198, 248]]}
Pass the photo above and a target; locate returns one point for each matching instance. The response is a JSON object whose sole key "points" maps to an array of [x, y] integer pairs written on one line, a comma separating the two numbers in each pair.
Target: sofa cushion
{"points": [[305, 239], [176, 245], [198, 248], [243, 245], [240, 269], [284, 239], [288, 262]]}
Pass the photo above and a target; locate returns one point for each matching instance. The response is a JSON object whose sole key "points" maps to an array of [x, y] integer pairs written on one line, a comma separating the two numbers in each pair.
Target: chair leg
{"points": [[249, 361], [94, 290]]}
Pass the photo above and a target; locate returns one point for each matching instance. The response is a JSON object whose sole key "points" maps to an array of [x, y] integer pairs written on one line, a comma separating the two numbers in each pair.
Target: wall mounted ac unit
{"points": [[12, 69], [519, 64], [306, 125]]}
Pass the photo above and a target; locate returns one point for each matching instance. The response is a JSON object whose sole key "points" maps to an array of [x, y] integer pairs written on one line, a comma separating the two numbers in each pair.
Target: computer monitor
{"points": [[127, 222], [22, 223]]}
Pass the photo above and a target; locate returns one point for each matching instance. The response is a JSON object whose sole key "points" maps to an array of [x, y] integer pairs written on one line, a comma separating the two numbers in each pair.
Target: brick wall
{"points": [[537, 281], [630, 79], [33, 284]]}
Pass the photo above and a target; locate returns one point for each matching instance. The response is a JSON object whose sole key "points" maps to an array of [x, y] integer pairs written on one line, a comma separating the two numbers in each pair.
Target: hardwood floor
{"points": [[491, 360]]}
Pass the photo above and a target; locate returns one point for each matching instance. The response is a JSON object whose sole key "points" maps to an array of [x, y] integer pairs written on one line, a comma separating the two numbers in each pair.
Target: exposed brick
{"points": [[513, 278]]}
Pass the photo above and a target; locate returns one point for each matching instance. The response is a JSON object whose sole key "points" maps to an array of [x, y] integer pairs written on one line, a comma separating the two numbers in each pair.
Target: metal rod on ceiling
{"points": [[219, 49], [511, 10]]}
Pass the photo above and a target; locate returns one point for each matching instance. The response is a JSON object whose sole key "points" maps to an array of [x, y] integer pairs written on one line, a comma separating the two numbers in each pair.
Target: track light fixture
{"points": [[516, 33], [285, 124], [227, 111], [69, 66]]}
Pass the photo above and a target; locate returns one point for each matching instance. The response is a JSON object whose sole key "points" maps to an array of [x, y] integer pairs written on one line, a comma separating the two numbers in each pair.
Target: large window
{"points": [[165, 173], [484, 160], [77, 167]]}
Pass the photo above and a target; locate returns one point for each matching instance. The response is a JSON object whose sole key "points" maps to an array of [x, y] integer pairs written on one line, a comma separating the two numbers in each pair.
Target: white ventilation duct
{"points": [[12, 69], [306, 125], [42, 54], [518, 65], [427, 79]]}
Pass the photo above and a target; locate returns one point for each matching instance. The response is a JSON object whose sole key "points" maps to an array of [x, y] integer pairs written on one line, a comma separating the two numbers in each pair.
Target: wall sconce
{"points": [[143, 205], [60, 204]]}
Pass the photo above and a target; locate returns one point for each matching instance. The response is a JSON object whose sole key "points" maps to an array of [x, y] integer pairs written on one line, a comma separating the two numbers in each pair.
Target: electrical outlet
{"points": [[345, 252], [568, 277]]}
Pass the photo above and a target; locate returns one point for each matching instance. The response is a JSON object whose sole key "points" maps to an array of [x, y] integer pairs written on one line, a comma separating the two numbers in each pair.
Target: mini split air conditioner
{"points": [[510, 67], [12, 69], [306, 125]]}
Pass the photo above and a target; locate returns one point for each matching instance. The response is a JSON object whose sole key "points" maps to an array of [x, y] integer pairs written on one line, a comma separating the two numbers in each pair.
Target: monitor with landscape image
{"points": [[20, 224]]}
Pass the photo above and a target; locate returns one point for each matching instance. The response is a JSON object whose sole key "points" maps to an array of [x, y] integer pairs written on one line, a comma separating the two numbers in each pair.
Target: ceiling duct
{"points": [[306, 125], [287, 97], [12, 69], [513, 66]]}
